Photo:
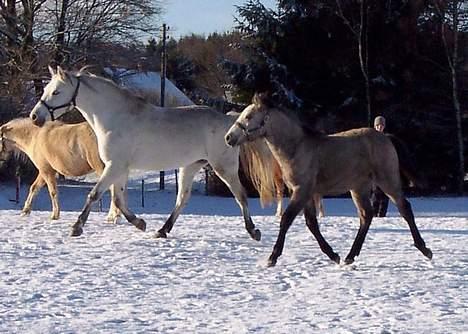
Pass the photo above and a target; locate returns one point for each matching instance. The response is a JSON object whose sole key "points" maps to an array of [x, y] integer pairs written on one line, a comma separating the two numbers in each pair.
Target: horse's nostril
{"points": [[228, 138], [33, 117]]}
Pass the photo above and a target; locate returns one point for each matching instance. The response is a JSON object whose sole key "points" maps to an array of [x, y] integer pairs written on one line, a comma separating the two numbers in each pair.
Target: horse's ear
{"points": [[261, 100], [51, 70], [4, 128], [64, 75], [61, 72]]}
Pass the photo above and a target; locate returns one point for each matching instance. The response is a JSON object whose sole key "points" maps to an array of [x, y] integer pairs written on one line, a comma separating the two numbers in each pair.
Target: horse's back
{"points": [[71, 149], [353, 159], [175, 137]]}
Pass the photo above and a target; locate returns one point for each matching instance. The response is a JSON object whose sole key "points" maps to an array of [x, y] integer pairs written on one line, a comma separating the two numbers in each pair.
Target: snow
{"points": [[210, 277]]}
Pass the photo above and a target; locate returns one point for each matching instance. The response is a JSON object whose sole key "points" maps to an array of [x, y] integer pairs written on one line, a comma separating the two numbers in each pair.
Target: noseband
{"points": [[248, 132], [71, 103], [2, 140]]}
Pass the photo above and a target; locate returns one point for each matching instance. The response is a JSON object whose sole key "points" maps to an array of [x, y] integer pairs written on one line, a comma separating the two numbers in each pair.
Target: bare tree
{"points": [[35, 32], [360, 31], [453, 17], [80, 24], [18, 18]]}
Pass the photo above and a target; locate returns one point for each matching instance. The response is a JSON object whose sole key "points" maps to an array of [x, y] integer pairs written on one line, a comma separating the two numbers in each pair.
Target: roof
{"points": [[149, 82]]}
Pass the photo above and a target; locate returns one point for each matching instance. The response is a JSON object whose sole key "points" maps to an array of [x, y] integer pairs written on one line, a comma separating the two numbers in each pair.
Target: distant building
{"points": [[148, 85]]}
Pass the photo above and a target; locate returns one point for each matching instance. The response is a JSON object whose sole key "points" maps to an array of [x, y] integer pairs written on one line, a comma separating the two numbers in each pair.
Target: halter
{"points": [[248, 132], [71, 103], [2, 140]]}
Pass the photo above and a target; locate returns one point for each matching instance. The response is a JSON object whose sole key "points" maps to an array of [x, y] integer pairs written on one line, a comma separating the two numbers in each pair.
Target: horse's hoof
{"points": [[256, 235], [271, 263], [336, 258], [139, 224], [76, 231], [54, 217], [349, 260], [25, 213], [160, 234], [113, 219], [427, 253]]}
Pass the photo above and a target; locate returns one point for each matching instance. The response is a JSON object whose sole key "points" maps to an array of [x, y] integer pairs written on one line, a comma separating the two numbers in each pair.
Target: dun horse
{"points": [[314, 163], [268, 181], [75, 155], [133, 134]]}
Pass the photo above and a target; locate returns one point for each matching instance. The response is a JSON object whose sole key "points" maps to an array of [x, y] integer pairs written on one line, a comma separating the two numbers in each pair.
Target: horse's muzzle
{"points": [[38, 121], [230, 140]]}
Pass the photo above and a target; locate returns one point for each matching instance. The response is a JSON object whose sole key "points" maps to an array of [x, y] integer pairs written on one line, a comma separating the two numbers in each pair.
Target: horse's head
{"points": [[59, 95], [250, 124]]}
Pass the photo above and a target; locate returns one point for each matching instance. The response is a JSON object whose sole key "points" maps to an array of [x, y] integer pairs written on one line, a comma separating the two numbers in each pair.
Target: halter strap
{"points": [[248, 131], [72, 102], [2, 148]]}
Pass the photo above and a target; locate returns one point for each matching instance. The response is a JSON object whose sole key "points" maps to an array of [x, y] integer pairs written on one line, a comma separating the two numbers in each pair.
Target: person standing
{"points": [[379, 199]]}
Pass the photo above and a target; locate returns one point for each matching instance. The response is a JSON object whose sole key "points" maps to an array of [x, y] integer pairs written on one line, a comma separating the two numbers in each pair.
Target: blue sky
{"points": [[202, 16]]}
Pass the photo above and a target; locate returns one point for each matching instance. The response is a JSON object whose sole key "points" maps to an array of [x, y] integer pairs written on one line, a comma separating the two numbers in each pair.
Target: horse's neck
{"points": [[283, 135], [99, 102]]}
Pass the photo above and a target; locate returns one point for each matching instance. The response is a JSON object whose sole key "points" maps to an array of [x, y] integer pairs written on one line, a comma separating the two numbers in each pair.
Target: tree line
{"points": [[341, 62]]}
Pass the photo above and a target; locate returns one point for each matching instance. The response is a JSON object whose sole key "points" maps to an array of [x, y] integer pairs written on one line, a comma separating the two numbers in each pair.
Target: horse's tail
{"points": [[408, 166], [257, 161]]}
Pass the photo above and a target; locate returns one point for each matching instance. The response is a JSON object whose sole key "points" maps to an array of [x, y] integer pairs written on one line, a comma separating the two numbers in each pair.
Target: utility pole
{"points": [[163, 87]]}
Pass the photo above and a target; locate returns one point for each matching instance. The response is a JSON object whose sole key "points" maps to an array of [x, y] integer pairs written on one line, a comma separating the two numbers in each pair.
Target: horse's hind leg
{"points": [[310, 215], [364, 207], [38, 183], [390, 184], [186, 176], [404, 207], [230, 177]]}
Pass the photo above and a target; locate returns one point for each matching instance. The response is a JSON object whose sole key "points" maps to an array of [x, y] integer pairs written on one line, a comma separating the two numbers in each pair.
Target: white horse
{"points": [[133, 134]]}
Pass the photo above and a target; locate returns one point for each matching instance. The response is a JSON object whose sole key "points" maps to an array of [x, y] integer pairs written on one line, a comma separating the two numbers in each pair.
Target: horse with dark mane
{"points": [[76, 155], [314, 163]]}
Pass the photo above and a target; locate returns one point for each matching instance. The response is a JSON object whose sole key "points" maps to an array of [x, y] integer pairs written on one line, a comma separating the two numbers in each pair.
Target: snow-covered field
{"points": [[210, 277]]}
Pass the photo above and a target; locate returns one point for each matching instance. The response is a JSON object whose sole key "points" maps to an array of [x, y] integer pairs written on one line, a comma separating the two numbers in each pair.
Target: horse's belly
{"points": [[165, 158]]}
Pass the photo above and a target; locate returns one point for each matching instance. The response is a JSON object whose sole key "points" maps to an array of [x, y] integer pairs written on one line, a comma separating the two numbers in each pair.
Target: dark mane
{"points": [[298, 117]]}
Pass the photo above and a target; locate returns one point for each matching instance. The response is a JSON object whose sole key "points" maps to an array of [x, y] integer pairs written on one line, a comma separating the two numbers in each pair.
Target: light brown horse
{"points": [[68, 149], [314, 163]]}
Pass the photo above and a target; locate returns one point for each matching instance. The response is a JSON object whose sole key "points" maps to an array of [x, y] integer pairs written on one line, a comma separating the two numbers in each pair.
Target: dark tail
{"points": [[408, 166]]}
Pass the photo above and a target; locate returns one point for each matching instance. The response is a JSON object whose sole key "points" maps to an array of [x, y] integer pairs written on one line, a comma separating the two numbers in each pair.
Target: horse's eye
{"points": [[55, 92]]}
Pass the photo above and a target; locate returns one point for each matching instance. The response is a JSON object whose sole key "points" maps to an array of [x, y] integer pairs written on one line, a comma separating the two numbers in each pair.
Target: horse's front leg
{"points": [[310, 215], [110, 174], [230, 177], [279, 187], [296, 204], [121, 202]]}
